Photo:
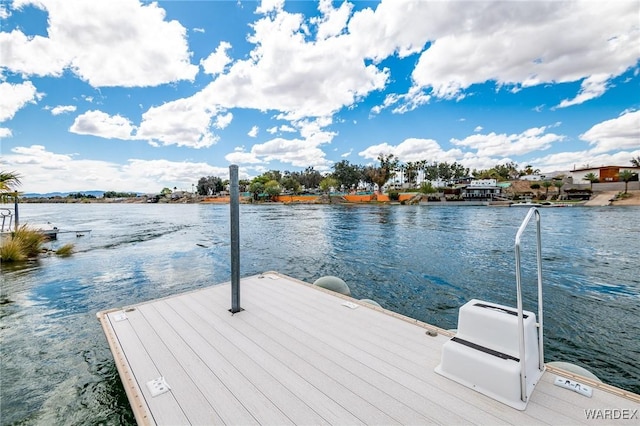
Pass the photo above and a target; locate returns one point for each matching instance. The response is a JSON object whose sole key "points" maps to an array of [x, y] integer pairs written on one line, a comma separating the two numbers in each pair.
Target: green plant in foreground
{"points": [[23, 244], [65, 250], [12, 251], [31, 241]]}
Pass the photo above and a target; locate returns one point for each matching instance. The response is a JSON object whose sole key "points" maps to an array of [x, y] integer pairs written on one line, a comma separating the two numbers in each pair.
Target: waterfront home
{"points": [[482, 189], [603, 173]]}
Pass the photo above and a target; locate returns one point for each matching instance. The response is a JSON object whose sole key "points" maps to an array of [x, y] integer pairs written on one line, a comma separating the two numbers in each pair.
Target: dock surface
{"points": [[298, 354]]}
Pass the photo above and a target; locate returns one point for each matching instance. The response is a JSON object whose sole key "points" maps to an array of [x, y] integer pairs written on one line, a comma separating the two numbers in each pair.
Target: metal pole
{"points": [[15, 210], [234, 210]]}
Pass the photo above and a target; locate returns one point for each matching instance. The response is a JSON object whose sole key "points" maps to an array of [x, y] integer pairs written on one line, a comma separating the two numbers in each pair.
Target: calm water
{"points": [[421, 261]]}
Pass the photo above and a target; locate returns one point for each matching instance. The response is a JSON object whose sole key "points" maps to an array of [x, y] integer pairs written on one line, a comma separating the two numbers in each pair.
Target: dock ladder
{"points": [[498, 350]]}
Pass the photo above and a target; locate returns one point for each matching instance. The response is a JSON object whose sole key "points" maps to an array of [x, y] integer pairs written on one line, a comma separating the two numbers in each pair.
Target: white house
{"points": [[603, 173], [481, 189]]}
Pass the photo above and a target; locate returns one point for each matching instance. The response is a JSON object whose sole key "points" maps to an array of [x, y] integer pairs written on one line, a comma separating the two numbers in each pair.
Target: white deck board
{"points": [[143, 366], [297, 355]]}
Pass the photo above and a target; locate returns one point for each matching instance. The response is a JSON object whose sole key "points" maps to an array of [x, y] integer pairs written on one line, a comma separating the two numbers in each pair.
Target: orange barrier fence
{"points": [[365, 198], [216, 200], [297, 198]]}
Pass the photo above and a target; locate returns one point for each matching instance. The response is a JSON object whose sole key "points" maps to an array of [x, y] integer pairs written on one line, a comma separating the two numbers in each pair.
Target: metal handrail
{"points": [[523, 386], [6, 213]]}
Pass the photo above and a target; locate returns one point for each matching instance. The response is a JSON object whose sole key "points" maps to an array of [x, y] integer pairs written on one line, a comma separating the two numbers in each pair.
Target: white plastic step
{"points": [[484, 355]]}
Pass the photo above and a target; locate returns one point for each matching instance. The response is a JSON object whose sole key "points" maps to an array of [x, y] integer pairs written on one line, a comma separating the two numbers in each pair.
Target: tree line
{"points": [[346, 176]]}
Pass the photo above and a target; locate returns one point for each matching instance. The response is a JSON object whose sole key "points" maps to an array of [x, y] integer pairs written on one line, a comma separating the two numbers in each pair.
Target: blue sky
{"points": [[124, 95]]}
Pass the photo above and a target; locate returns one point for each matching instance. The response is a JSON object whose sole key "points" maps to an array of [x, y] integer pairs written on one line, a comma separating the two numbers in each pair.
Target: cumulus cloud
{"points": [[183, 122], [14, 97], [239, 156], [223, 120], [61, 109], [218, 60], [413, 149], [576, 159], [622, 132], [523, 44], [296, 76], [123, 43], [98, 123], [492, 144], [253, 132], [592, 87], [333, 21], [299, 152], [47, 170]]}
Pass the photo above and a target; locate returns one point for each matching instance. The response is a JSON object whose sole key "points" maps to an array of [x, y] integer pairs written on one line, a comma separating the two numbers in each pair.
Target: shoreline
{"points": [[608, 199]]}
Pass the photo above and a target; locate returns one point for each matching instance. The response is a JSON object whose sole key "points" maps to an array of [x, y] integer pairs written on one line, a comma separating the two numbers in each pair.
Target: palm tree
{"points": [[8, 182], [591, 177], [558, 184], [636, 161], [546, 184], [625, 176], [387, 169]]}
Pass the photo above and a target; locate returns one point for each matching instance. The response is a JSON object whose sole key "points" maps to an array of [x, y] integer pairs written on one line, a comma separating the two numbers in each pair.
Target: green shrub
{"points": [[11, 251], [65, 250], [31, 241], [427, 188], [394, 195]]}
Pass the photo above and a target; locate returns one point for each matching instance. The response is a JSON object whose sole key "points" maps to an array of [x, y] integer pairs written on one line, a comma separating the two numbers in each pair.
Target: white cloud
{"points": [[492, 144], [242, 157], [98, 123], [253, 132], [37, 154], [267, 6], [61, 109], [619, 133], [4, 13], [223, 120], [297, 152], [45, 171], [592, 87], [565, 161], [301, 152], [121, 43], [478, 129], [298, 77], [476, 43], [333, 21], [14, 97], [413, 149], [183, 122], [347, 154], [38, 56], [5, 132], [218, 60]]}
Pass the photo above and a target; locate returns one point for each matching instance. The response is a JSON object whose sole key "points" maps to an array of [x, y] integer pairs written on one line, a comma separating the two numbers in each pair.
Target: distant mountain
{"points": [[96, 194]]}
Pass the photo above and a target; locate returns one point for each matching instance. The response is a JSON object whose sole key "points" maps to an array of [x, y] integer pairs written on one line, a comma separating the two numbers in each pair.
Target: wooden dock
{"points": [[298, 354]]}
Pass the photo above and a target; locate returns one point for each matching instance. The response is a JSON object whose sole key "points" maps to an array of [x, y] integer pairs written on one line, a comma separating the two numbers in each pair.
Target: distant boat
{"points": [[526, 203]]}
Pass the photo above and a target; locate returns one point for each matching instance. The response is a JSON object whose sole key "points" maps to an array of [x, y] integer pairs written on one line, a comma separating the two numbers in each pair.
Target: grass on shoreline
{"points": [[25, 244]]}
